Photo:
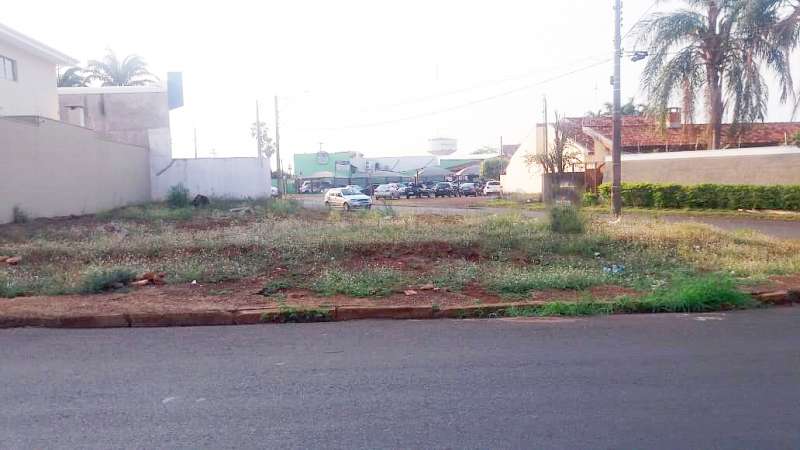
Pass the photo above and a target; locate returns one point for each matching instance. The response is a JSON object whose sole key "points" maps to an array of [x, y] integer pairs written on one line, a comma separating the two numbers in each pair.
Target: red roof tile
{"points": [[642, 134]]}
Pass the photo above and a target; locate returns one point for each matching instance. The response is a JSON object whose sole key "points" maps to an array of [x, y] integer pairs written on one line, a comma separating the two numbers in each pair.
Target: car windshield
{"points": [[350, 191], [467, 185]]}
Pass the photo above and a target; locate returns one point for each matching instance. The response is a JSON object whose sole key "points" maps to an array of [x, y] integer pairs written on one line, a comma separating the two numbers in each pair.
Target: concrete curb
{"points": [[294, 315]]}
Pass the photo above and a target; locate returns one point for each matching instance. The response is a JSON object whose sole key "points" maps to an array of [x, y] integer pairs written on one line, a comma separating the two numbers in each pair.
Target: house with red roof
{"points": [[678, 152]]}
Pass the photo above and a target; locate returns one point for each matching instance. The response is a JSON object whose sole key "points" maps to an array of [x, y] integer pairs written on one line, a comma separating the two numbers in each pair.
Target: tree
{"points": [[72, 77], [559, 155], [266, 146], [628, 109], [719, 48], [110, 71], [492, 168], [486, 150]]}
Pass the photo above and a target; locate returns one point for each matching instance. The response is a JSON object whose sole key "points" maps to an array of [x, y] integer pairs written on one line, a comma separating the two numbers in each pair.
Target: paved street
{"points": [[776, 228], [668, 381]]}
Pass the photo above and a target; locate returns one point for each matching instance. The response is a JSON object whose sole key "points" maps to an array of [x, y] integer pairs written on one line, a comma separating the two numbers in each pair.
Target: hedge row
{"points": [[706, 196]]}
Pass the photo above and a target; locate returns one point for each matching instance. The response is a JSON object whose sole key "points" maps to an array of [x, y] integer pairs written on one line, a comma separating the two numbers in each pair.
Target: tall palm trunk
{"points": [[714, 61], [715, 106]]}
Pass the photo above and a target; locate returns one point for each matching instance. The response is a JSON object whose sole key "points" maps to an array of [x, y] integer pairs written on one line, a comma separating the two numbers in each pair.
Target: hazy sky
{"points": [[380, 77]]}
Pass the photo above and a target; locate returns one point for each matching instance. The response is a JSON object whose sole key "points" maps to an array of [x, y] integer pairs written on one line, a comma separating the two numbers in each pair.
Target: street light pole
{"points": [[278, 150], [616, 150]]}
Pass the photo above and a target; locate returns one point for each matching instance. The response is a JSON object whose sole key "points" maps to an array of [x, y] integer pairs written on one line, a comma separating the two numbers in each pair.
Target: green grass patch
{"points": [[9, 288], [516, 281], [455, 276], [275, 286], [101, 280], [368, 282]]}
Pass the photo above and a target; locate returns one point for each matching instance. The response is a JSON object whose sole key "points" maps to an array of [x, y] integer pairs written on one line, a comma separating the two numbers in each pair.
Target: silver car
{"points": [[347, 199], [387, 191]]}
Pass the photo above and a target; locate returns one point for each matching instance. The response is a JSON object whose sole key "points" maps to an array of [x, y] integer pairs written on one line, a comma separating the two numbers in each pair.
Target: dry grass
{"points": [[211, 246]]}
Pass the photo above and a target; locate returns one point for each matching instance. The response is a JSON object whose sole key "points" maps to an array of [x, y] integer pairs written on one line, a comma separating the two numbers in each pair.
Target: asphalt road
{"points": [[783, 229], [669, 381]]}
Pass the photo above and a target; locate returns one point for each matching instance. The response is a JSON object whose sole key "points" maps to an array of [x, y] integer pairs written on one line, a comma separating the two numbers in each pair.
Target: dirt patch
{"points": [[246, 295]]}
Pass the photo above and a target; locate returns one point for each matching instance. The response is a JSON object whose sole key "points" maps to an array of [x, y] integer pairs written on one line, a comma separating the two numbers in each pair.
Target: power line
{"points": [[633, 27], [471, 103], [478, 85]]}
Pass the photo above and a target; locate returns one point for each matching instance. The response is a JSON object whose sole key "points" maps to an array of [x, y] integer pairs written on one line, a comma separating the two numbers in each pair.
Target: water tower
{"points": [[443, 146]]}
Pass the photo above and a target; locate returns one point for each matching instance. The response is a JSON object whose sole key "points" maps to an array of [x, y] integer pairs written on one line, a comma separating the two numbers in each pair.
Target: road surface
{"points": [[783, 229], [667, 381]]}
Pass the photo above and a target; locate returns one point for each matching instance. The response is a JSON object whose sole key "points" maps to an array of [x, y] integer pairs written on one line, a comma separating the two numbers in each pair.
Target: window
{"points": [[8, 69]]}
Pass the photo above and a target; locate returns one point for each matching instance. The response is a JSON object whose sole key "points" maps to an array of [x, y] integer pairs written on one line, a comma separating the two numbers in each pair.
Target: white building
{"points": [[28, 74]]}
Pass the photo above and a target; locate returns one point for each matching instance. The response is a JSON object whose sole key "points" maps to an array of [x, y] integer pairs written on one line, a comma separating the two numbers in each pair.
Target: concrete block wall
{"points": [[50, 168], [755, 166]]}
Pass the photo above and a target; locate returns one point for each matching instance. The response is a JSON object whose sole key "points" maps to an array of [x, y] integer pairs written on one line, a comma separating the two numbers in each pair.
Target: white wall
{"points": [[217, 177], [521, 178], [34, 92], [49, 169]]}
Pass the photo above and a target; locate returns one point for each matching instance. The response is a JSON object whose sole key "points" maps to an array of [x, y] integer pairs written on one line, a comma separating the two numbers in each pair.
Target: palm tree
{"points": [[720, 48], [131, 71], [72, 77]]}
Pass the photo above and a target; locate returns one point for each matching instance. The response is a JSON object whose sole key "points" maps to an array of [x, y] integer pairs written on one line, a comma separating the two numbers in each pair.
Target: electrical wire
{"points": [[471, 103], [628, 33]]}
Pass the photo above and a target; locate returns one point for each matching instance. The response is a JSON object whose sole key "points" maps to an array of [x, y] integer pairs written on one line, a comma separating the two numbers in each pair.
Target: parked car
{"points": [[416, 190], [355, 187], [492, 188], [443, 189], [468, 190], [314, 187], [347, 199], [386, 191], [274, 191]]}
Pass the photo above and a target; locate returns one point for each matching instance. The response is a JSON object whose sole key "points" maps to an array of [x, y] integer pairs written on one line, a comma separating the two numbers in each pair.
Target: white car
{"points": [[387, 191], [347, 199], [274, 191], [492, 188]]}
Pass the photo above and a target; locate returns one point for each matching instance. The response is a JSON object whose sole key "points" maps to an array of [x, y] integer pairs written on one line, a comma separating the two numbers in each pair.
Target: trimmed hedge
{"points": [[706, 196]]}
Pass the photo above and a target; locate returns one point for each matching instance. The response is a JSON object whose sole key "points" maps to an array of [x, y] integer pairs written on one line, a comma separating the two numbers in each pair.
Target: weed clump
{"points": [[565, 219], [102, 280], [178, 196], [524, 281]]}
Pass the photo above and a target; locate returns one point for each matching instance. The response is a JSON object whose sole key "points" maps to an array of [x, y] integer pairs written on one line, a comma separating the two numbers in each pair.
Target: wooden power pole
{"points": [[616, 150]]}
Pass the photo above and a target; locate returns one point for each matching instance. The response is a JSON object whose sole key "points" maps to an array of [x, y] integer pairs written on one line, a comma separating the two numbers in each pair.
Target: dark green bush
{"points": [[590, 199], [178, 196], [706, 196], [101, 280]]}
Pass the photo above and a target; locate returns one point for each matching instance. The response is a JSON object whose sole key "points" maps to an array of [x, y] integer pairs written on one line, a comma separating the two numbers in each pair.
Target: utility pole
{"points": [[616, 150], [544, 111], [195, 143], [259, 141], [501, 146], [278, 150]]}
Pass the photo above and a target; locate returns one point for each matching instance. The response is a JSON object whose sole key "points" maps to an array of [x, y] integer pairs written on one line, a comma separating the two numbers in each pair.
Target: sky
{"points": [[379, 77]]}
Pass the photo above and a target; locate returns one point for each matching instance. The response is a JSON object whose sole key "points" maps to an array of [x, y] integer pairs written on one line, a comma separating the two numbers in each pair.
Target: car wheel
{"points": [[346, 207], [328, 205]]}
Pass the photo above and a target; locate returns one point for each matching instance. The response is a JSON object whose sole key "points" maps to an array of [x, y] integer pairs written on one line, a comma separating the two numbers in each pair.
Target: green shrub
{"points": [[668, 196], [368, 282], [566, 220], [706, 196], [591, 199], [275, 286], [101, 280], [178, 196]]}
